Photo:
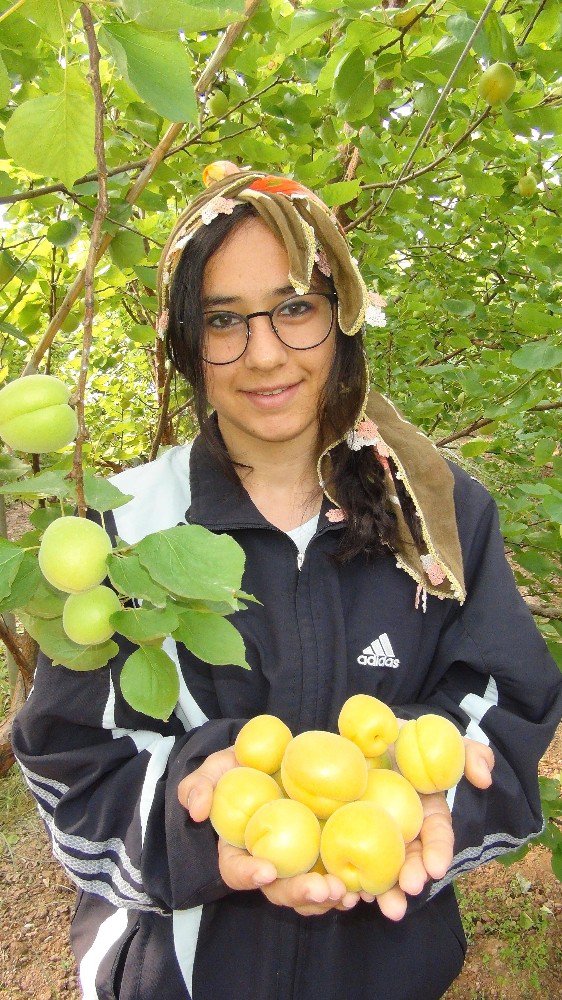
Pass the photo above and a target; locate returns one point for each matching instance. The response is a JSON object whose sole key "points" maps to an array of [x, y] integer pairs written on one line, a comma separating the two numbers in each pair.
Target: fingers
{"points": [[479, 763], [436, 835], [241, 871], [195, 791], [311, 894], [392, 903]]}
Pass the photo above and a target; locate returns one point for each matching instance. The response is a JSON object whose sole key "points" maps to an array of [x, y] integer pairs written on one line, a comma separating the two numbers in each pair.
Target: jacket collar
{"points": [[222, 504]]}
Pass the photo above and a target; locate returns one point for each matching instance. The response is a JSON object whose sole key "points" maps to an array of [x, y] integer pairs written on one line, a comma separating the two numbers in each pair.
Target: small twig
{"points": [[542, 610], [100, 213], [534, 20]]}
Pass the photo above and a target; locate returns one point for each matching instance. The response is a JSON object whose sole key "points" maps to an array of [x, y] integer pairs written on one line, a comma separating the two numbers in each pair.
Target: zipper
{"points": [[300, 560]]}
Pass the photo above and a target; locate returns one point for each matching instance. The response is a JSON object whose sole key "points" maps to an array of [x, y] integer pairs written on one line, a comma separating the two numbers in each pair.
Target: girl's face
{"points": [[248, 273]]}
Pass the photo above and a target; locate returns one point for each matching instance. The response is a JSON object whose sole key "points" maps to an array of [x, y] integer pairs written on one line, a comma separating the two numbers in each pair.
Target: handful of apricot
{"points": [[333, 802]]}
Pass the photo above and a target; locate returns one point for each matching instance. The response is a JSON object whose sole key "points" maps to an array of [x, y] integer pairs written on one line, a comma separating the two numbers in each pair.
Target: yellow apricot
{"points": [[430, 753], [393, 793], [262, 742], [363, 846], [369, 723], [323, 770], [238, 794], [287, 833]]}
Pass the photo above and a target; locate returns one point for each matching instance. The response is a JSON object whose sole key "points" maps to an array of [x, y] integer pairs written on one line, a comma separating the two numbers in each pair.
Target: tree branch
{"points": [[102, 206]]}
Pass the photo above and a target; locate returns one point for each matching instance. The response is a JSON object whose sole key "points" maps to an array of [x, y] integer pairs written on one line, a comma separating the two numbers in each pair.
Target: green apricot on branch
{"points": [[527, 185], [217, 103], [85, 616], [497, 84], [35, 415], [73, 554]]}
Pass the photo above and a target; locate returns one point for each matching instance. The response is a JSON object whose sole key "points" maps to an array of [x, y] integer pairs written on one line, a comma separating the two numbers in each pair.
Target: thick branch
{"points": [[164, 417], [227, 42], [542, 610], [12, 645], [6, 752]]}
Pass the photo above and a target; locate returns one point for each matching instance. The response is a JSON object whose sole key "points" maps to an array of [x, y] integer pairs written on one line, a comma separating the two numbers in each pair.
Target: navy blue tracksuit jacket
{"points": [[154, 921]]}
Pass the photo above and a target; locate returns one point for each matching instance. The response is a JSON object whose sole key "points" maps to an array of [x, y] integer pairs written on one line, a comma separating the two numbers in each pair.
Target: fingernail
{"points": [[261, 880]]}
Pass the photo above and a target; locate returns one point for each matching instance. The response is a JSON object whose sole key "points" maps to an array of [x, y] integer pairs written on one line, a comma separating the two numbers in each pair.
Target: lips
{"points": [[271, 396]]}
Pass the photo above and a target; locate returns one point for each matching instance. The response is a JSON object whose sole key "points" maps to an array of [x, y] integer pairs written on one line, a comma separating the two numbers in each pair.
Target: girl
{"points": [[379, 568]]}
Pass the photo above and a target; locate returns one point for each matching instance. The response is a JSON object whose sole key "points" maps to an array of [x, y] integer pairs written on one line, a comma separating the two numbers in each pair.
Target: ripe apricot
{"points": [[368, 722], [323, 770], [287, 833], [394, 793], [363, 846], [430, 753], [238, 794], [262, 742]]}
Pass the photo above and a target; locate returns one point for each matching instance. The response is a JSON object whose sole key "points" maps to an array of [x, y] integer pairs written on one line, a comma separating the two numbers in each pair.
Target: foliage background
{"points": [[338, 96]]}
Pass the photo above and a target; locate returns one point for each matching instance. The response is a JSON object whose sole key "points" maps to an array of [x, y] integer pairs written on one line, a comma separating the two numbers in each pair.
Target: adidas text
{"points": [[379, 654]]}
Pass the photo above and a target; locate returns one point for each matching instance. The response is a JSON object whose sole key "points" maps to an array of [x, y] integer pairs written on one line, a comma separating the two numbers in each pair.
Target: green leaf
{"points": [[54, 642], [12, 468], [534, 318], [101, 495], [353, 92], [24, 585], [512, 857], [150, 683], [130, 578], [52, 18], [460, 307], [189, 15], [145, 624], [11, 558], [192, 562], [141, 333], [145, 58], [306, 25], [340, 193], [45, 484], [544, 451], [549, 788], [556, 862], [46, 601], [126, 249], [53, 135], [538, 356], [5, 84], [212, 638], [552, 505], [62, 233], [473, 448]]}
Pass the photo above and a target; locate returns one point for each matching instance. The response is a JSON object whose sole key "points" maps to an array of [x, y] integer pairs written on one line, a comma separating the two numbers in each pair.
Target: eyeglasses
{"points": [[301, 323]]}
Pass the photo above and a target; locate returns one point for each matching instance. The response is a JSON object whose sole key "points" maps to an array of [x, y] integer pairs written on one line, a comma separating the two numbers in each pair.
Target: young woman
{"points": [[379, 568]]}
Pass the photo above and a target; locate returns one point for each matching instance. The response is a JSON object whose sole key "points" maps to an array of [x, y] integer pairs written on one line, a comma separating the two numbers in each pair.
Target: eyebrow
{"points": [[226, 300]]}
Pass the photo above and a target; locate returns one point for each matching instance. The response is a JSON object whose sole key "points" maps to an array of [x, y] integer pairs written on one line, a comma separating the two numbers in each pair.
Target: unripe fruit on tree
{"points": [[237, 796], [369, 723], [323, 770], [35, 415], [363, 846], [73, 554], [393, 793], [287, 833], [527, 185], [430, 753], [217, 103], [85, 616], [497, 83], [262, 742]]}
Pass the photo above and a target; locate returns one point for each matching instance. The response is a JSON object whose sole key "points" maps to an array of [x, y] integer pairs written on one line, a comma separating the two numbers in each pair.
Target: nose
{"points": [[264, 350]]}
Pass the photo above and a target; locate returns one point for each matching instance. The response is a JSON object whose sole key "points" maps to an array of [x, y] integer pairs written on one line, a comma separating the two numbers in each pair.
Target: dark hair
{"points": [[356, 477]]}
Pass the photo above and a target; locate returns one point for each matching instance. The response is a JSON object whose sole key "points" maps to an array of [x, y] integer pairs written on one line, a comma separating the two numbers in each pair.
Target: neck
{"points": [[280, 477]]}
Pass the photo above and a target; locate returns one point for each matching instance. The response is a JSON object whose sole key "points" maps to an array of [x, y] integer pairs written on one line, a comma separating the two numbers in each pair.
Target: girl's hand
{"points": [[310, 894], [195, 791], [431, 853]]}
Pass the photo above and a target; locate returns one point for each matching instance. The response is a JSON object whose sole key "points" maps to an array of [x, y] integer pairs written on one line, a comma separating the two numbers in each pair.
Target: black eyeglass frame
{"points": [[265, 312]]}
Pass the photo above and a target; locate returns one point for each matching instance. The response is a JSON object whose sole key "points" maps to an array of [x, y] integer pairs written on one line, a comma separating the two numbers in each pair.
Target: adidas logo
{"points": [[379, 654]]}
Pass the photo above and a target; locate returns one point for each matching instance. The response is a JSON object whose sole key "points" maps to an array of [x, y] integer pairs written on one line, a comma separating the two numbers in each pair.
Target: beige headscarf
{"points": [[312, 235]]}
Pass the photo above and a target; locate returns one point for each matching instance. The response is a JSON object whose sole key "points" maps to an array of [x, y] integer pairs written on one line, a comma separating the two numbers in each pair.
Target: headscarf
{"points": [[312, 235]]}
